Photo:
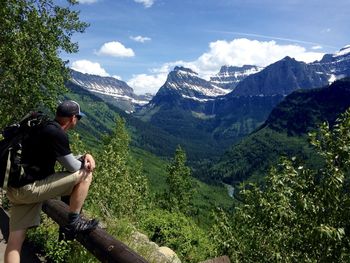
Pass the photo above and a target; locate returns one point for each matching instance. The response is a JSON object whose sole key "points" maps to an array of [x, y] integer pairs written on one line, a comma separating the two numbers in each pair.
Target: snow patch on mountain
{"points": [[230, 76], [195, 98], [344, 51]]}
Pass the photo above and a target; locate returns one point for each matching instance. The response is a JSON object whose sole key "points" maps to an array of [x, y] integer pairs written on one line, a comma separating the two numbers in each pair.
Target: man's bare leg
{"points": [[14, 246], [80, 192]]}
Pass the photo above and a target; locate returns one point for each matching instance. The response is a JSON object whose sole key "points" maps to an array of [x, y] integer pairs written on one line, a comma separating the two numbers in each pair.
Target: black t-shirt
{"points": [[40, 152]]}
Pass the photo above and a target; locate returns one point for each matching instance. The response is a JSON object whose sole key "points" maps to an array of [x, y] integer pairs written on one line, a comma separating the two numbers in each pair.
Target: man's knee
{"points": [[84, 176]]}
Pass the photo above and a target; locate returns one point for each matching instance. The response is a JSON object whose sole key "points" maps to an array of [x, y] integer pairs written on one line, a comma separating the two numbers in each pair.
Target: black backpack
{"points": [[11, 145]]}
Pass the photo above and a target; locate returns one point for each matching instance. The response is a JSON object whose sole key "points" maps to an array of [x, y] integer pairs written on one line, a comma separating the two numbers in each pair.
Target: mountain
{"points": [[100, 122], [336, 65], [283, 134], [185, 83], [111, 90], [189, 107], [229, 76], [281, 78]]}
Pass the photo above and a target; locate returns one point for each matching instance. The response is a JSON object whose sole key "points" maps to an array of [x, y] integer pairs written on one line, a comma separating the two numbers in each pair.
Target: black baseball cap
{"points": [[69, 108]]}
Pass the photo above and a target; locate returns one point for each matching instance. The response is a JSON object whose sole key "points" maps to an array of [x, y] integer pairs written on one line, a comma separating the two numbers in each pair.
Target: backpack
{"points": [[11, 146]]}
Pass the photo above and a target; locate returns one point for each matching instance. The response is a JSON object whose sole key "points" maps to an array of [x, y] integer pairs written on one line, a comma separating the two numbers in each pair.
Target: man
{"points": [[40, 182]]}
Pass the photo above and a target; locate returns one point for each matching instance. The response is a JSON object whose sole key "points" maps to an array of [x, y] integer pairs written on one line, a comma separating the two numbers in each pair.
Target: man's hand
{"points": [[89, 162]]}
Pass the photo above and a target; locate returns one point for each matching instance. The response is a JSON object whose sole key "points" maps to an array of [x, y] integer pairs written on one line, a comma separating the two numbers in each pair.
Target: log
{"points": [[101, 244]]}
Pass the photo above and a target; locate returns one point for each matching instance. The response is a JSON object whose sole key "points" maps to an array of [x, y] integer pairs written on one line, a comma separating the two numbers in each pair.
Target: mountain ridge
{"points": [[284, 133]]}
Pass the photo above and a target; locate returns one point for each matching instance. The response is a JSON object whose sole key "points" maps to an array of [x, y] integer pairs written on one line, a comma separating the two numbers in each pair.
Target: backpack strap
{"points": [[7, 171]]}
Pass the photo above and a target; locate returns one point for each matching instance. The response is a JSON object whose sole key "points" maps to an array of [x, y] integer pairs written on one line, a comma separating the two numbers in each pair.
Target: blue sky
{"points": [[140, 41]]}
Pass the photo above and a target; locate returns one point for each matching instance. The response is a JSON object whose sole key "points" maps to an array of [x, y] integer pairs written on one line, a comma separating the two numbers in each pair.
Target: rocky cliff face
{"points": [[230, 76], [282, 78]]}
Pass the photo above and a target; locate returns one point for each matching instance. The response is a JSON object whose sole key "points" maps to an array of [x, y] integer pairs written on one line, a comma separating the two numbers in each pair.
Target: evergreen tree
{"points": [[119, 188], [179, 193], [33, 33]]}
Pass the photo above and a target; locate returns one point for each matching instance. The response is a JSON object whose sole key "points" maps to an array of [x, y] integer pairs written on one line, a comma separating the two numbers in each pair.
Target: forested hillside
{"points": [[285, 133]]}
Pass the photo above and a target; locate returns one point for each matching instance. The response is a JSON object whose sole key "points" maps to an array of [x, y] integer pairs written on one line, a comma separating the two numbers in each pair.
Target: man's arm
{"points": [[70, 163]]}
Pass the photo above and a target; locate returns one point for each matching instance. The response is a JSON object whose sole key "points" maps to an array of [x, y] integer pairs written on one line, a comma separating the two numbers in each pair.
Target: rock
{"points": [[155, 253], [170, 255]]}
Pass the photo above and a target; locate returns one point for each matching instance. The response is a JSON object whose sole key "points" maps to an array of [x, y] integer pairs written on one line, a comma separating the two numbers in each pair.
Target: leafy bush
{"points": [[46, 238], [300, 215], [178, 232]]}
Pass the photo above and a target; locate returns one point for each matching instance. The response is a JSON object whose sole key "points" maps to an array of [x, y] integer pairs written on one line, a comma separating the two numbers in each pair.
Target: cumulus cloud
{"points": [[86, 66], [144, 83], [115, 49], [140, 39], [237, 52], [146, 3]]}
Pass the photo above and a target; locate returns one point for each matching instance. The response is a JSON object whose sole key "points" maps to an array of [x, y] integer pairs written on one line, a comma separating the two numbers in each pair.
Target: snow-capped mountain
{"points": [[230, 76], [111, 90], [335, 66], [187, 105], [185, 83], [288, 75]]}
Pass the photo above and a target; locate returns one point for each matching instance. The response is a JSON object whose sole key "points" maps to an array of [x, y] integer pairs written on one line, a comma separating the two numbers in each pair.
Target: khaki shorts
{"points": [[26, 201]]}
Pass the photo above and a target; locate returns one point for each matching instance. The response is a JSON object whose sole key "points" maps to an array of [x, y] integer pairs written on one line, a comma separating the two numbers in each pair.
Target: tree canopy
{"points": [[33, 33]]}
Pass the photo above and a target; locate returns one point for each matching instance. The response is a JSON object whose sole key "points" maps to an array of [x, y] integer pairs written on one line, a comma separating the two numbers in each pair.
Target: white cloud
{"points": [[144, 83], [115, 49], [237, 52], [87, 1], [140, 39], [86, 66], [146, 3]]}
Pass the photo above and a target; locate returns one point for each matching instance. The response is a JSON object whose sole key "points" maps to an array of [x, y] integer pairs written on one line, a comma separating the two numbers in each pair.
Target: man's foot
{"points": [[81, 225]]}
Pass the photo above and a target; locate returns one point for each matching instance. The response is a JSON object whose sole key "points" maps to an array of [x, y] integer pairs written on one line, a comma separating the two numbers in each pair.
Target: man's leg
{"points": [[14, 246], [77, 198], [80, 192]]}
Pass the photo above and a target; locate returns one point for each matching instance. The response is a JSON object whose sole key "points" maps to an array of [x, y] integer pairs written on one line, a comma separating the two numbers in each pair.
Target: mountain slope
{"points": [[111, 90], [281, 78], [100, 121], [284, 133]]}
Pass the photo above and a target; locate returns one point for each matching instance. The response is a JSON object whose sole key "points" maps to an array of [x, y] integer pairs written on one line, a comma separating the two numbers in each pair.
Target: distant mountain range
{"points": [[216, 113], [224, 112]]}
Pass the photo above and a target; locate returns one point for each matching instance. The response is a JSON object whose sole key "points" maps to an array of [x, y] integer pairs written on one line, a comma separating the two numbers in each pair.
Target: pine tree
{"points": [[119, 188], [179, 193]]}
